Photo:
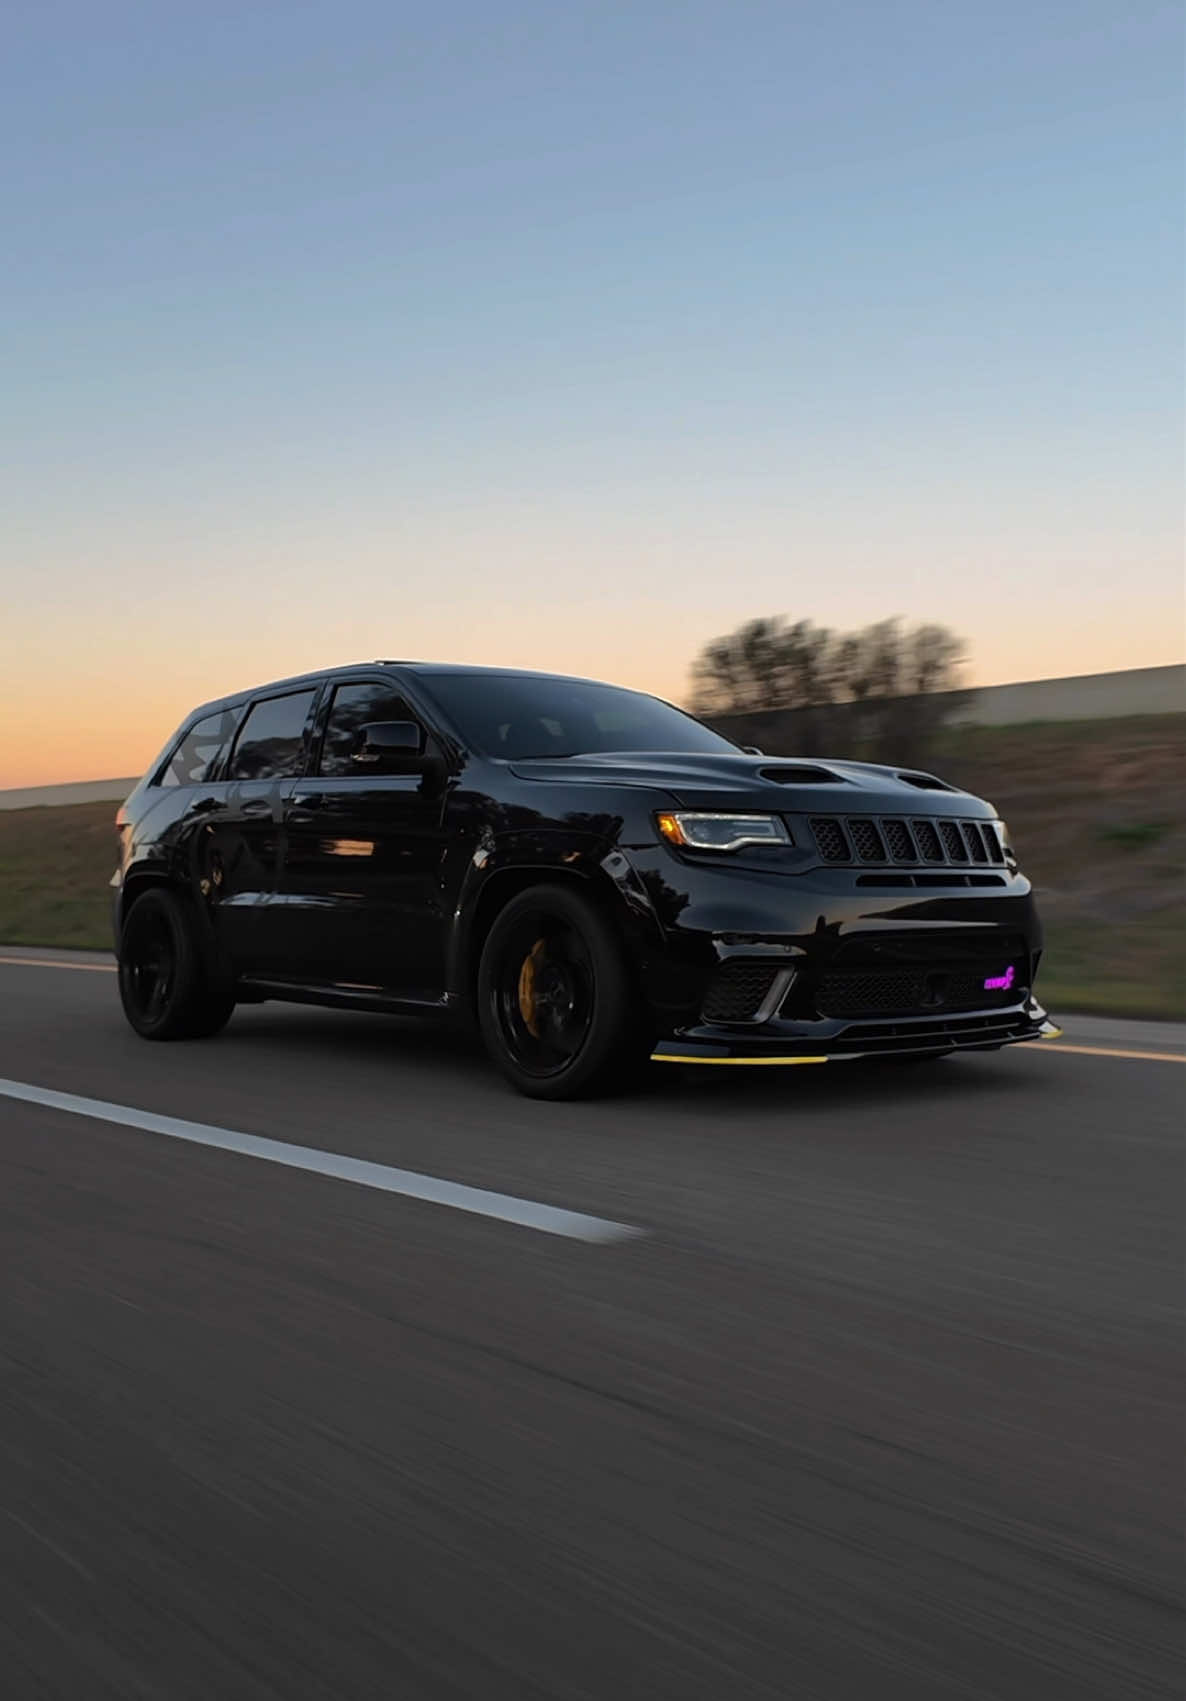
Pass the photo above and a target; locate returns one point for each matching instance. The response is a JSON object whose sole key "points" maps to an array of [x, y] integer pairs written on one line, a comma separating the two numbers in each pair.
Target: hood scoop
{"points": [[802, 774], [924, 782]]}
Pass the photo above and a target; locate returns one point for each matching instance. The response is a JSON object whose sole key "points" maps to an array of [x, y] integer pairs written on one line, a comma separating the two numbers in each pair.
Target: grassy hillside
{"points": [[54, 868], [1097, 811]]}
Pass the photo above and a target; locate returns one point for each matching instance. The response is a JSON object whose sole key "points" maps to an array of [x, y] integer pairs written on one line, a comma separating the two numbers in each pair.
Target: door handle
{"points": [[256, 806], [300, 818]]}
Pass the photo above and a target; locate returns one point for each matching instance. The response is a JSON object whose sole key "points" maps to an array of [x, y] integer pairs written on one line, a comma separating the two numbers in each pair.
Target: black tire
{"points": [[167, 984], [558, 1011]]}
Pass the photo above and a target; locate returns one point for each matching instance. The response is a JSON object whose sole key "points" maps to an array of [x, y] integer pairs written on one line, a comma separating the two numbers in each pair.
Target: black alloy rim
{"points": [[147, 966], [544, 995]]}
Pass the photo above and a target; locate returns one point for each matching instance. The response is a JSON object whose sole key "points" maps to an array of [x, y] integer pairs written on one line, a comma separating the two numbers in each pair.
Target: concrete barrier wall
{"points": [[833, 728], [1082, 697]]}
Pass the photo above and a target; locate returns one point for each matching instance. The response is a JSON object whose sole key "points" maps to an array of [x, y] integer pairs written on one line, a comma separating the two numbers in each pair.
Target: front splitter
{"points": [[684, 1051]]}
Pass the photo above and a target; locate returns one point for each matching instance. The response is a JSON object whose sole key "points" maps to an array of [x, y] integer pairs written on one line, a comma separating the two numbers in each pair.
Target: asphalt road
{"points": [[882, 1398]]}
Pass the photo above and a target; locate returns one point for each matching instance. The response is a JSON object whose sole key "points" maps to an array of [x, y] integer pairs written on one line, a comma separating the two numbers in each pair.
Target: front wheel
{"points": [[166, 984], [558, 1012]]}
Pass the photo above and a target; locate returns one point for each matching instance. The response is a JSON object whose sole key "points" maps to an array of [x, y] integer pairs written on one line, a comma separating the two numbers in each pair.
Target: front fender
{"points": [[500, 868]]}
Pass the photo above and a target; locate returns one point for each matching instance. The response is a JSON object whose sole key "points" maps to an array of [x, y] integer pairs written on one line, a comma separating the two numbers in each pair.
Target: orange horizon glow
{"points": [[106, 730], [577, 348]]}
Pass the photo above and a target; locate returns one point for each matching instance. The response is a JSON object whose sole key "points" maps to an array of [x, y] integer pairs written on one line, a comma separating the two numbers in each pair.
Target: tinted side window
{"points": [[272, 741], [199, 750], [353, 706]]}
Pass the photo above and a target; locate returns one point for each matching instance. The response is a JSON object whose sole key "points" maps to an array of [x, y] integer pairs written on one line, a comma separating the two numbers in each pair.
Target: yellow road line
{"points": [[1106, 1051], [48, 963]]}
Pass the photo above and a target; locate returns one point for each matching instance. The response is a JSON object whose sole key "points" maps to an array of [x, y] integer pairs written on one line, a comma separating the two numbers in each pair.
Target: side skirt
{"points": [[335, 996]]}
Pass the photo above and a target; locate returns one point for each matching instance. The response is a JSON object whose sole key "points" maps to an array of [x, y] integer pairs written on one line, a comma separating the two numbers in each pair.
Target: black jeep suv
{"points": [[597, 876]]}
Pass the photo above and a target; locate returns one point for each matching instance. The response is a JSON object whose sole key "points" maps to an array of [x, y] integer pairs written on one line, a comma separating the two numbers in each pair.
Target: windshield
{"points": [[521, 716]]}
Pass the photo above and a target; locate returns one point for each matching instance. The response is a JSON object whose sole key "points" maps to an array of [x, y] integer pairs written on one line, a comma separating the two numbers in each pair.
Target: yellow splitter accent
{"points": [[744, 1062]]}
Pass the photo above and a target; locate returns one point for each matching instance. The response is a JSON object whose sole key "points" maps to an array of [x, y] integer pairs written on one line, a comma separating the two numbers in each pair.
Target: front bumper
{"points": [[842, 1041]]}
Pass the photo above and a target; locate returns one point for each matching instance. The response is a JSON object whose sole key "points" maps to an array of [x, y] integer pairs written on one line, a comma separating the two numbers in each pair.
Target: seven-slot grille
{"points": [[869, 839]]}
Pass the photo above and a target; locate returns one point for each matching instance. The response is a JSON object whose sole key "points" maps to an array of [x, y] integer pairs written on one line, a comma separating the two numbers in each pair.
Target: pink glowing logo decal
{"points": [[1000, 983]]}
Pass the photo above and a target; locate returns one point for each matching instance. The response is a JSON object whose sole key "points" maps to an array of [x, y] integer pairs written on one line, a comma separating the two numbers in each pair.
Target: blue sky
{"points": [[575, 334]]}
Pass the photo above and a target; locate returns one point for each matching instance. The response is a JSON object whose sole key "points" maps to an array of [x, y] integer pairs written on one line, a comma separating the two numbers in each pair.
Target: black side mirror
{"points": [[393, 747]]}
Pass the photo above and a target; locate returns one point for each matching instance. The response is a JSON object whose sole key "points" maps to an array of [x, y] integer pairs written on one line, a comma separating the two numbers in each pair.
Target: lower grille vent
{"points": [[915, 991], [737, 990]]}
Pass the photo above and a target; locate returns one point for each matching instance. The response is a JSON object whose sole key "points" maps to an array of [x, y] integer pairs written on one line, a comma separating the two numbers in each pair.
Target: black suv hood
{"points": [[781, 784]]}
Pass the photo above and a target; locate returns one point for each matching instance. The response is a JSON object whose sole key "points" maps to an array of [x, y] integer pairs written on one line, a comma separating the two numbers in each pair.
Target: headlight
{"points": [[720, 832]]}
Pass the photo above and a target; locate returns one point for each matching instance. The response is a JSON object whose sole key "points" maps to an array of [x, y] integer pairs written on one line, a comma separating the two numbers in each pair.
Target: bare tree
{"points": [[765, 664], [935, 657], [871, 690]]}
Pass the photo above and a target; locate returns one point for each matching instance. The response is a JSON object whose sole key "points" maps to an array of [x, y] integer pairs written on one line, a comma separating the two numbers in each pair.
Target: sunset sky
{"points": [[571, 335]]}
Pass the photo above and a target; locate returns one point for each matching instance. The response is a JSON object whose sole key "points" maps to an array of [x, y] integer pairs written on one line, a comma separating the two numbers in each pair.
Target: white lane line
{"points": [[504, 1207], [50, 963]]}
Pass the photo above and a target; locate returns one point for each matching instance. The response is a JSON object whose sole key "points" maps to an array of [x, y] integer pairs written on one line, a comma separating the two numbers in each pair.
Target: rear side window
{"points": [[353, 706], [194, 758], [271, 744]]}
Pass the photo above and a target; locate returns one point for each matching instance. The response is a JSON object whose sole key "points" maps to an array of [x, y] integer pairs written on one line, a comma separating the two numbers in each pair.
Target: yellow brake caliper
{"points": [[527, 1008]]}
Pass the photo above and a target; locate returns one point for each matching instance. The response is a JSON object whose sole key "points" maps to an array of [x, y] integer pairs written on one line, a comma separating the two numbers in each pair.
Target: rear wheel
{"points": [[557, 1008], [168, 988]]}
